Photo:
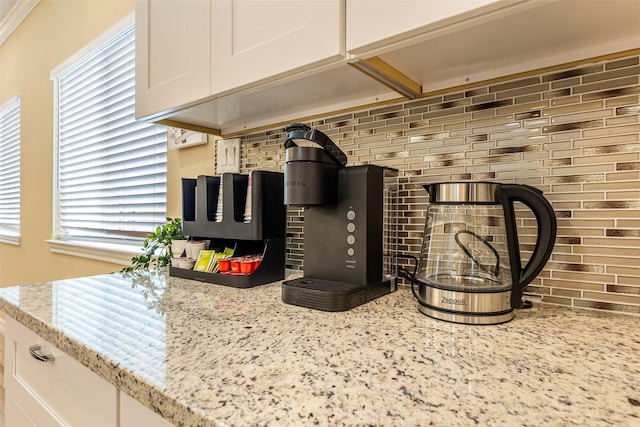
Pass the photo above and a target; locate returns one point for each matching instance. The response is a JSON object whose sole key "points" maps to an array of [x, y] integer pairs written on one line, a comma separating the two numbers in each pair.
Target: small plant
{"points": [[157, 246]]}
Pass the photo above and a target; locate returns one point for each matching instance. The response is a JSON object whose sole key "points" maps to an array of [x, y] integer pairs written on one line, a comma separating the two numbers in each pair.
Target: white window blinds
{"points": [[111, 182], [10, 168]]}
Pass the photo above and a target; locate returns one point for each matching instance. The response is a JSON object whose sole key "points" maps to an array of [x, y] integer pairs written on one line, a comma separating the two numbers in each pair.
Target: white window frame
{"points": [[116, 253], [9, 235]]}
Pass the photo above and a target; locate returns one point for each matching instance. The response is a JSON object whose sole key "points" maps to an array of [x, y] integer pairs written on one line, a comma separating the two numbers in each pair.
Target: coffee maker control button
{"points": [[351, 215], [350, 252], [351, 227], [351, 239]]}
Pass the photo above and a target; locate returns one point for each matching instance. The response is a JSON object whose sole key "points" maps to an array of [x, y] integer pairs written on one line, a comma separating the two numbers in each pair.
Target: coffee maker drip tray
{"points": [[327, 295]]}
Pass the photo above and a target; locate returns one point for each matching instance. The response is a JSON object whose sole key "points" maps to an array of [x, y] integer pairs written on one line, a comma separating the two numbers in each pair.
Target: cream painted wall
{"points": [[52, 33]]}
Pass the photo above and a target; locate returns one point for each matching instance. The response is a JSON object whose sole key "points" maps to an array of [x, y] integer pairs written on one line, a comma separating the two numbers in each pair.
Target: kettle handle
{"points": [[547, 230]]}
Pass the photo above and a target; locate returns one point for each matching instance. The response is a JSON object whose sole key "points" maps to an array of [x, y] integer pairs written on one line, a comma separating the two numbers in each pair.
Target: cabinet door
{"points": [[57, 393], [173, 48], [16, 416], [372, 21], [134, 414], [255, 41]]}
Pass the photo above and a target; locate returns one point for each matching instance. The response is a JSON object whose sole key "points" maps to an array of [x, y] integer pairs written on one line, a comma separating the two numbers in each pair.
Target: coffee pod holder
{"points": [[261, 230]]}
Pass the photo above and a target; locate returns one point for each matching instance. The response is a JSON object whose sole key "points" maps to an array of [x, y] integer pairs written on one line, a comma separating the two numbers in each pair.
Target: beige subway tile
{"points": [[624, 175], [611, 186], [483, 98], [608, 241], [586, 249], [605, 158], [373, 140], [629, 223], [559, 84], [416, 134], [584, 116], [391, 128], [622, 101], [624, 270], [619, 298], [606, 213], [535, 123], [581, 232], [519, 177], [609, 260], [416, 154], [457, 129], [585, 223], [536, 155], [477, 170], [525, 90], [364, 159], [624, 120], [607, 306], [489, 122], [513, 84], [564, 100], [566, 293], [576, 170], [629, 280], [566, 153], [609, 131], [526, 99], [624, 62], [611, 75], [458, 118], [525, 107], [571, 279], [563, 258], [606, 84], [607, 140], [566, 136], [565, 188], [566, 206], [573, 109], [623, 195], [385, 149], [483, 114], [556, 300], [518, 135], [445, 114], [555, 146]]}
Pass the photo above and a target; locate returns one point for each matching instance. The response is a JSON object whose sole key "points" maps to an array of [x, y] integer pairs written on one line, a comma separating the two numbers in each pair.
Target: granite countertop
{"points": [[209, 355]]}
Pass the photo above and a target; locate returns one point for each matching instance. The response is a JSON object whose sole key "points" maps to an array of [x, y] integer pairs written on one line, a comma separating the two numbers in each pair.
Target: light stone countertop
{"points": [[209, 355]]}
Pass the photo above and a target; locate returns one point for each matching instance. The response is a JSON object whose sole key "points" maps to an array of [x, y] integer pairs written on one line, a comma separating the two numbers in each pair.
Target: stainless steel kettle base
{"points": [[466, 318]]}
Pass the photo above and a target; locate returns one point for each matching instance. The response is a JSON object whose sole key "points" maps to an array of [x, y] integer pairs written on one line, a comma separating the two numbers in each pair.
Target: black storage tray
{"points": [[271, 269]]}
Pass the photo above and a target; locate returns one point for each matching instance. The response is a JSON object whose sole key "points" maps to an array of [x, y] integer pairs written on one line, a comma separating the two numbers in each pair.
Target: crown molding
{"points": [[15, 16]]}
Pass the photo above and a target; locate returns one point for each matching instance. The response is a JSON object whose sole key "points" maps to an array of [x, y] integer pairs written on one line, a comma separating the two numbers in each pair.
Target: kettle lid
{"points": [[463, 192]]}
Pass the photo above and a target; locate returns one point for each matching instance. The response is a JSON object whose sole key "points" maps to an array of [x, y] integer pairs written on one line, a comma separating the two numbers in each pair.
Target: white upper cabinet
{"points": [[371, 22], [257, 41], [173, 47], [230, 66]]}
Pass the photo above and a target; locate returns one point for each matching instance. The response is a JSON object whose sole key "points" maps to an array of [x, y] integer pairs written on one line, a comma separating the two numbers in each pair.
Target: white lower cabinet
{"points": [[134, 414], [60, 392]]}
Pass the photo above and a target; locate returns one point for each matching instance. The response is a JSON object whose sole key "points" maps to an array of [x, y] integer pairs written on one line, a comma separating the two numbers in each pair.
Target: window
{"points": [[10, 171], [111, 169]]}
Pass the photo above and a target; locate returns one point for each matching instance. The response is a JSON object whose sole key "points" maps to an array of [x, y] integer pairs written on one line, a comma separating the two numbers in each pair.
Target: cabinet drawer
{"points": [[69, 394]]}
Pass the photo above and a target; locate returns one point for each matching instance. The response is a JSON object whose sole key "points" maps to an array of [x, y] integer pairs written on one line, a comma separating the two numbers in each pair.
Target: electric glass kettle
{"points": [[470, 265]]}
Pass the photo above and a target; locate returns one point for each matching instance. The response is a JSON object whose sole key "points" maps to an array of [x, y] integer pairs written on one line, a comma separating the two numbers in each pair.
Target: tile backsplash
{"points": [[572, 133]]}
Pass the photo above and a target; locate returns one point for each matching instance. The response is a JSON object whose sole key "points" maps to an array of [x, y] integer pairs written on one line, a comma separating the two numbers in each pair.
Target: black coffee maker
{"points": [[350, 224]]}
